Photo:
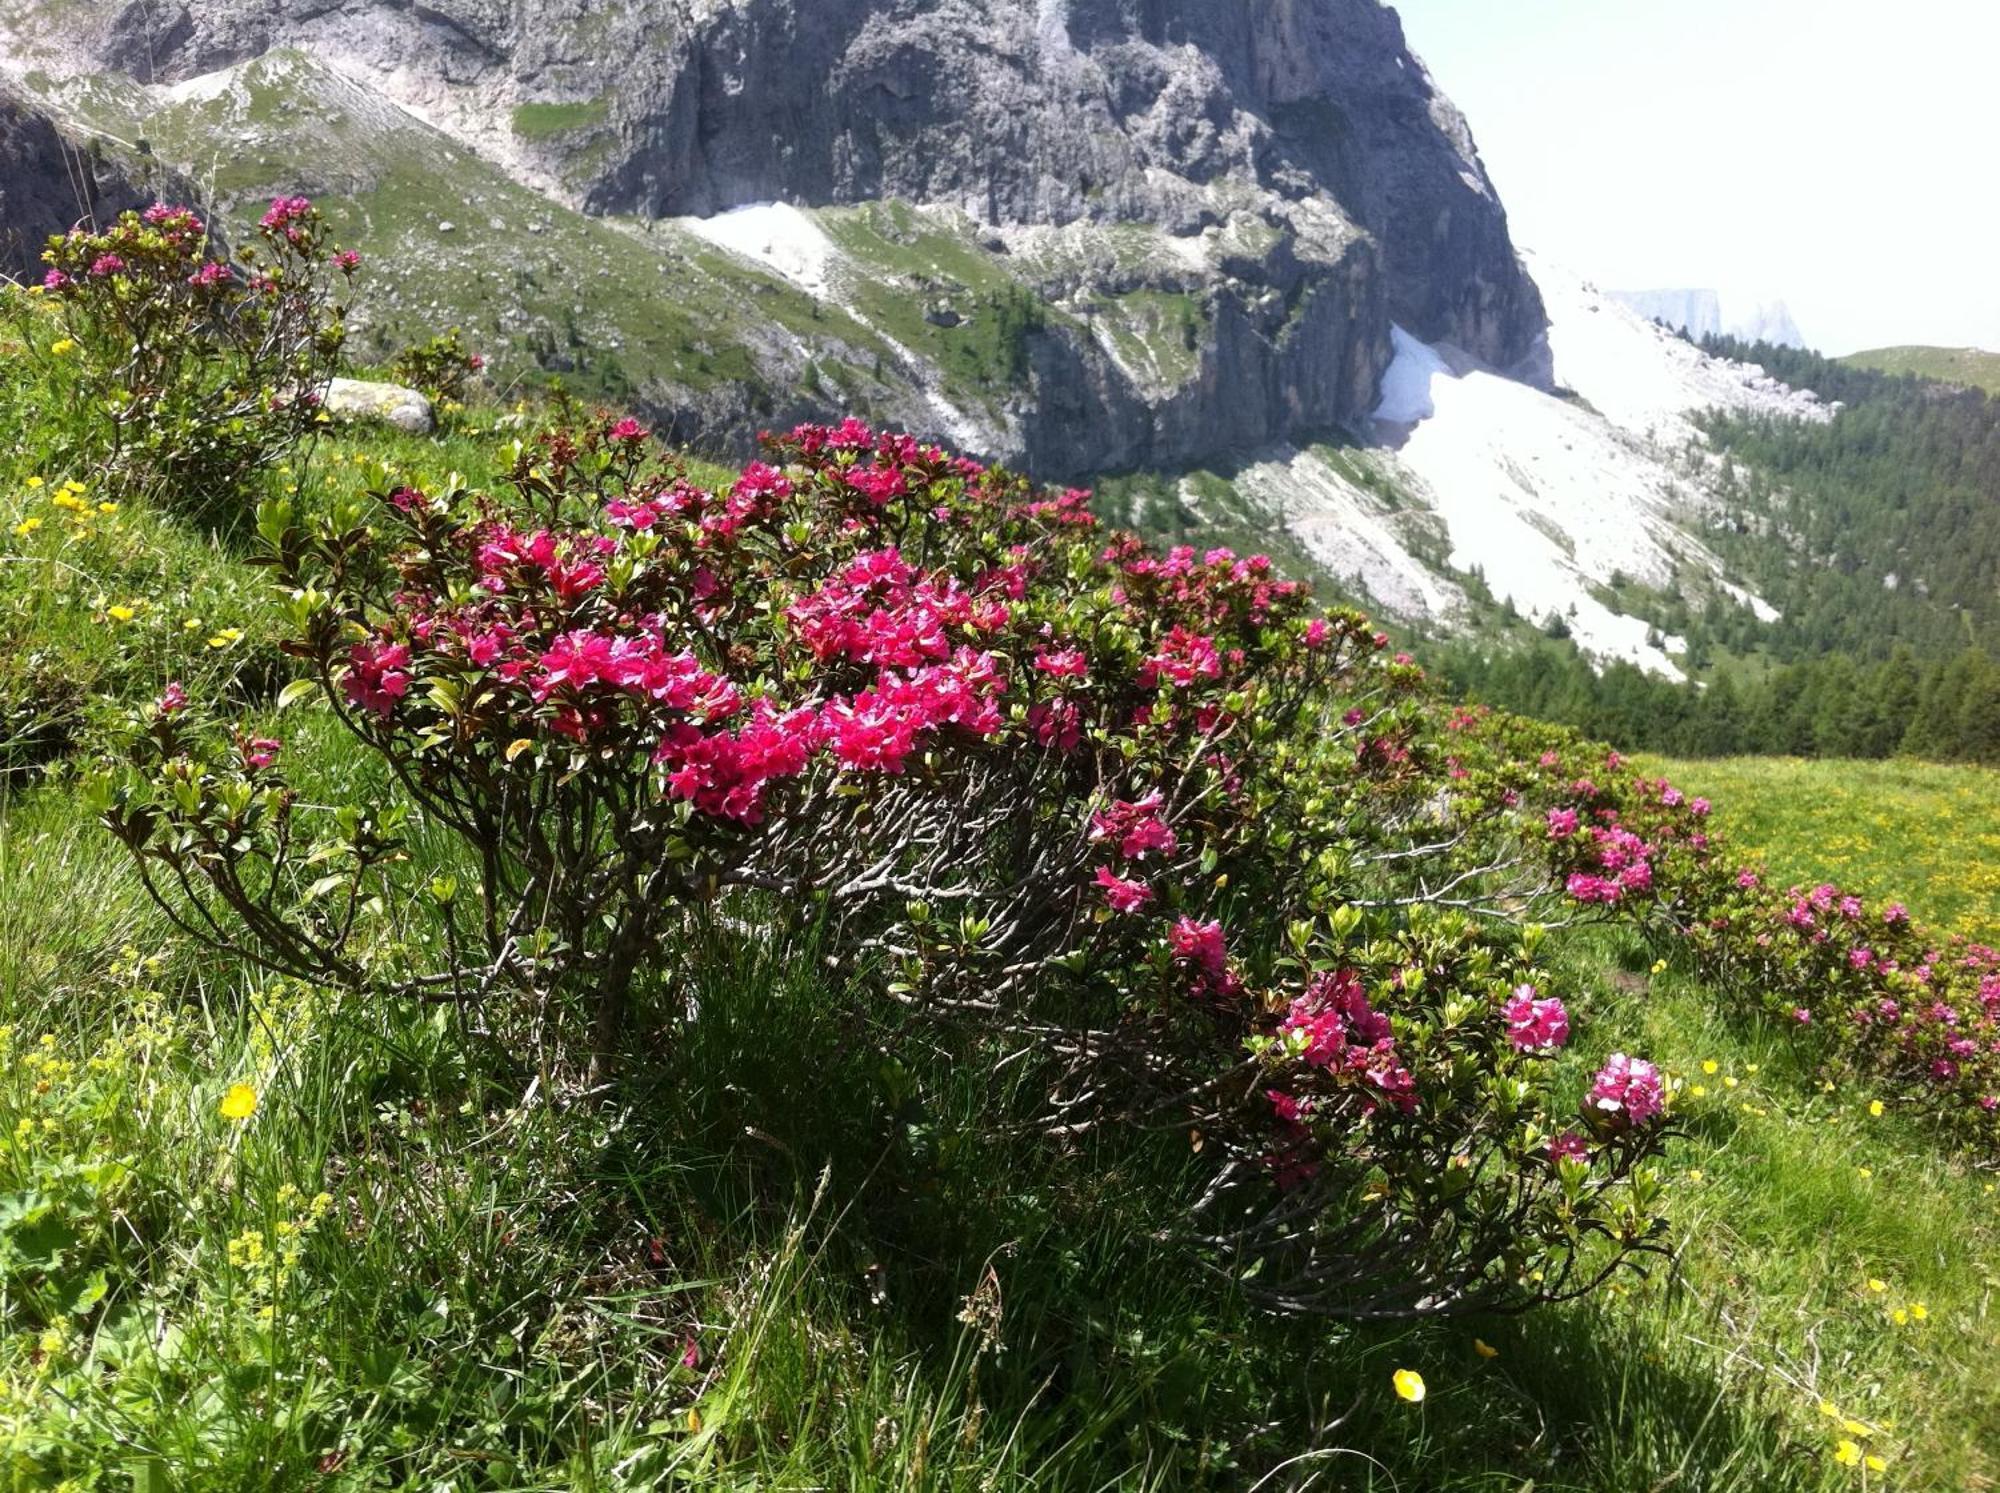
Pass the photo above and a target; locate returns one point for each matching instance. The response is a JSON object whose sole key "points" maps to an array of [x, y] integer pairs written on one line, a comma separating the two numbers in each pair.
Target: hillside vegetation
{"points": [[1968, 367], [1902, 831], [1877, 539], [529, 960]]}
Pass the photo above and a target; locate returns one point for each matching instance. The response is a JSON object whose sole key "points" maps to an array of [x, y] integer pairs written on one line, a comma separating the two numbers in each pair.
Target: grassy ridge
{"points": [[1971, 366]]}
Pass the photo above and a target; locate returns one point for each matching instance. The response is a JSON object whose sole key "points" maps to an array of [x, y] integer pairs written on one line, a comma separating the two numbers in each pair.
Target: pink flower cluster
{"points": [[879, 610], [378, 676], [1136, 828], [1535, 1023], [1629, 1089], [1340, 1033]]}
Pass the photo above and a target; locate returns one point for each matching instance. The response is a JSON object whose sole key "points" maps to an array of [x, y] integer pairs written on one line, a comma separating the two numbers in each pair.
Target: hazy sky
{"points": [[1838, 154]]}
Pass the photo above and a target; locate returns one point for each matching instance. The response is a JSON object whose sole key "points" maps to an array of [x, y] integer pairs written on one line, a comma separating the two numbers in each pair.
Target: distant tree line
{"points": [[1945, 710], [1878, 530]]}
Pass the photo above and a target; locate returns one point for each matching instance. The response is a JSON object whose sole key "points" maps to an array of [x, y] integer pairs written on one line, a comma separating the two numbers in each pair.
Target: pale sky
{"points": [[1839, 155]]}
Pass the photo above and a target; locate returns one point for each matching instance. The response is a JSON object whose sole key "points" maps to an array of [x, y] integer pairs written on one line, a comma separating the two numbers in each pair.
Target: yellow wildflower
{"points": [[1847, 1454], [1409, 1385], [1875, 1107], [120, 613], [26, 527], [63, 346], [1710, 1065], [1484, 1349], [1877, 1285], [1919, 1311], [240, 1103]]}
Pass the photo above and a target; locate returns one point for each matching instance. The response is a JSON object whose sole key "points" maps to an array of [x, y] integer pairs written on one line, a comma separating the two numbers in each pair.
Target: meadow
{"points": [[263, 1232], [1918, 832]]}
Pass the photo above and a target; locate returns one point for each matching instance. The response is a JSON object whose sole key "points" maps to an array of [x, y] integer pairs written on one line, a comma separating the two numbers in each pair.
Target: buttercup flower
{"points": [[239, 1104]]}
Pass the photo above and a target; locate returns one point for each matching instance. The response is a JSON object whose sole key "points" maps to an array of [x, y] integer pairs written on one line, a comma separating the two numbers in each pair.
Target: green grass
{"points": [[1971, 366], [1924, 834], [548, 121], [771, 1260]]}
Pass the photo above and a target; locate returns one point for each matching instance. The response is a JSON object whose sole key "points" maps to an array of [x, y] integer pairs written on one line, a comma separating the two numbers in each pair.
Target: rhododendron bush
{"points": [[1866, 985], [202, 366], [1151, 822]]}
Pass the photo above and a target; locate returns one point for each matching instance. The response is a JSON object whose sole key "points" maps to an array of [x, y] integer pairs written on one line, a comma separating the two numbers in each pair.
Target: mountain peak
{"points": [[1713, 313]]}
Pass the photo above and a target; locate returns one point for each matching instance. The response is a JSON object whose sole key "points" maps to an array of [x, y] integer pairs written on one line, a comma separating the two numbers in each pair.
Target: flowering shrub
{"points": [[1148, 817], [191, 370], [1865, 983], [442, 368]]}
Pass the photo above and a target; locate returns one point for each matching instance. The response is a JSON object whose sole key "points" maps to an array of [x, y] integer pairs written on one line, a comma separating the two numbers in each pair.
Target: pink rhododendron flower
{"points": [[1136, 828], [1122, 895], [1535, 1023], [1200, 944], [1569, 1146], [377, 676], [1628, 1086]]}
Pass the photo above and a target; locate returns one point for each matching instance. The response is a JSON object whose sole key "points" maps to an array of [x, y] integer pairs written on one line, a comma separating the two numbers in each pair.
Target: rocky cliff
{"points": [[1268, 184], [49, 182]]}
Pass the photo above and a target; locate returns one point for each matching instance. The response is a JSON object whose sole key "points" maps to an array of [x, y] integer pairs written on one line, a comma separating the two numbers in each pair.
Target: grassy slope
{"points": [[1971, 366], [1921, 833], [501, 1293]]}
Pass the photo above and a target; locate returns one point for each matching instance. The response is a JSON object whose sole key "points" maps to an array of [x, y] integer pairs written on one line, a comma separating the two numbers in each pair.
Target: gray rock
{"points": [[389, 404], [51, 182], [1307, 120]]}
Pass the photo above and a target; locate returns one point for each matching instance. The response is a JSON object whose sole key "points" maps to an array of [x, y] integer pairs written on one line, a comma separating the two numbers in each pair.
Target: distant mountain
{"points": [[1969, 367], [1081, 234], [1237, 265], [1708, 313]]}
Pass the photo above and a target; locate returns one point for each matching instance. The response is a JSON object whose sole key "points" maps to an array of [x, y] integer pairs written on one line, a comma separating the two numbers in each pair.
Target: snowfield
{"points": [[1547, 493], [776, 235]]}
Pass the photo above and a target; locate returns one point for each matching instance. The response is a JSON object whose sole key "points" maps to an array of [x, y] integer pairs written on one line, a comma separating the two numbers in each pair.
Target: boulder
{"points": [[391, 404]]}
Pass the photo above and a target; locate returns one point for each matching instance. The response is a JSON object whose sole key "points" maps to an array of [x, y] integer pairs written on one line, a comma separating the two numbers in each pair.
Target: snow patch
{"points": [[780, 237], [206, 86], [1643, 378], [1550, 495], [1761, 609], [1406, 387]]}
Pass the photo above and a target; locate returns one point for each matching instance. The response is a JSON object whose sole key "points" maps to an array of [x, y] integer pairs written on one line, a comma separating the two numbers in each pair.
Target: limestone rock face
{"points": [[1299, 177], [388, 404], [49, 183]]}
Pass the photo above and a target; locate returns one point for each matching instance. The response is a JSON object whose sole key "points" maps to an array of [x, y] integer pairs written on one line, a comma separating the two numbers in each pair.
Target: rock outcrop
{"points": [[350, 399], [50, 182], [1302, 182]]}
